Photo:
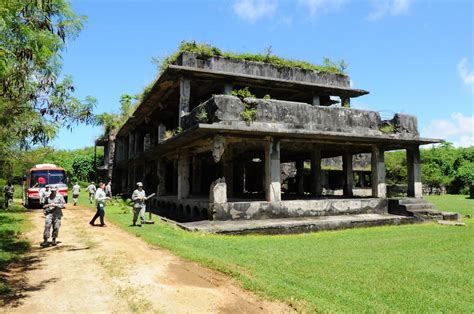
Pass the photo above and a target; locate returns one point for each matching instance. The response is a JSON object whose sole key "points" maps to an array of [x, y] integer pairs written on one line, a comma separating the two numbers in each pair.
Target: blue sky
{"points": [[415, 57]]}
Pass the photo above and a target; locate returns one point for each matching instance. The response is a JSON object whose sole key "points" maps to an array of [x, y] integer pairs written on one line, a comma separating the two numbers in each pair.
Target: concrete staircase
{"points": [[419, 208]]}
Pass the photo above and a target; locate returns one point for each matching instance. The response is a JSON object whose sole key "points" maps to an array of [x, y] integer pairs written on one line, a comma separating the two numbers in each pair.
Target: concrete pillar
{"points": [[415, 188], [348, 174], [197, 175], [146, 142], [161, 132], [272, 171], [379, 188], [183, 176], [160, 173], [184, 96], [137, 140], [316, 100], [300, 176], [316, 173], [131, 145], [229, 171], [227, 89]]}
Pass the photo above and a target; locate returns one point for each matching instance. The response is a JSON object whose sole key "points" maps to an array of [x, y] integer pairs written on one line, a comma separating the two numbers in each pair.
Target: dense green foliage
{"points": [[112, 122], [34, 102], [410, 268], [441, 166], [267, 57], [78, 163]]}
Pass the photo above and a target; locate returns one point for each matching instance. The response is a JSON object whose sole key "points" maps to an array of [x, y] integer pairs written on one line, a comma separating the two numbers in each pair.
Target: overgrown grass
{"points": [[411, 268], [12, 248], [268, 57]]}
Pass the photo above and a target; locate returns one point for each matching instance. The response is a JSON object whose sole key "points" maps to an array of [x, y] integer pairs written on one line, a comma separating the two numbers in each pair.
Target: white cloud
{"points": [[252, 10], [317, 6], [459, 129], [389, 7], [466, 75]]}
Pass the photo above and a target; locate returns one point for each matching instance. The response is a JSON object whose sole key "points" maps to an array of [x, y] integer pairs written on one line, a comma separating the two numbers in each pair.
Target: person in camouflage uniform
{"points": [[91, 189], [8, 191], [53, 213], [139, 206]]}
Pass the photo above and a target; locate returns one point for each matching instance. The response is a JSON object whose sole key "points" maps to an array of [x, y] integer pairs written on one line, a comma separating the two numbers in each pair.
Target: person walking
{"points": [[76, 189], [139, 207], [108, 189], [92, 190], [8, 191], [100, 199], [53, 213]]}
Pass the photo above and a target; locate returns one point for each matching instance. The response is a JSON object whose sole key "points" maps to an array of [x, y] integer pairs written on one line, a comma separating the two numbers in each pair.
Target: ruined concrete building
{"points": [[211, 156]]}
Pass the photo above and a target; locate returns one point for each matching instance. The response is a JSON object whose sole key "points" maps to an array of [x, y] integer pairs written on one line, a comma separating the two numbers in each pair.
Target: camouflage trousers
{"points": [[139, 211], [51, 221]]}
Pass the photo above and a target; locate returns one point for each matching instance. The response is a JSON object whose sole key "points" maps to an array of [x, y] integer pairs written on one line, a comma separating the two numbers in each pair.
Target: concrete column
{"points": [[348, 174], [146, 142], [227, 89], [300, 176], [131, 145], [229, 171], [160, 173], [379, 188], [161, 132], [316, 173], [415, 188], [272, 171], [136, 142], [197, 175], [184, 96], [316, 101], [183, 176]]}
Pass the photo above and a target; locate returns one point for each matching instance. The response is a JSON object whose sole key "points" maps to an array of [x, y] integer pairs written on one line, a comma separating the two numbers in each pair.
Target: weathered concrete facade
{"points": [[210, 155]]}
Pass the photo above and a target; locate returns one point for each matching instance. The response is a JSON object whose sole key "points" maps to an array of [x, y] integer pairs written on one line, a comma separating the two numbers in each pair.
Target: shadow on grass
{"points": [[14, 258]]}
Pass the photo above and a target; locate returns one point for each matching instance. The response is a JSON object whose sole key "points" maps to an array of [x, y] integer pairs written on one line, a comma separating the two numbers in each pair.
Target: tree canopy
{"points": [[34, 101]]}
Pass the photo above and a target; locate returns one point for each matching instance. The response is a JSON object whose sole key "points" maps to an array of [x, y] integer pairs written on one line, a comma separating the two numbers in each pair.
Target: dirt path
{"points": [[97, 269]]}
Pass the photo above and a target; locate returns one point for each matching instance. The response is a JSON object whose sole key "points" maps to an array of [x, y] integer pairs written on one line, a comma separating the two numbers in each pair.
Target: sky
{"points": [[414, 56]]}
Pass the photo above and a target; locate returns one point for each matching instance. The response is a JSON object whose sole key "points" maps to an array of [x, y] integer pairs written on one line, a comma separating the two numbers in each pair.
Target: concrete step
{"points": [[418, 206], [405, 201], [296, 225]]}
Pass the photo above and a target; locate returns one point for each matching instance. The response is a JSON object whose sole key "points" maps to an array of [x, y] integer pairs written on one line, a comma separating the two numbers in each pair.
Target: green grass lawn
{"points": [[415, 268], [12, 248]]}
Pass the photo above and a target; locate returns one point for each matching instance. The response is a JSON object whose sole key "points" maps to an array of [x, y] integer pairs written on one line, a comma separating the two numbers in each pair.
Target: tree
{"points": [[112, 122], [34, 102]]}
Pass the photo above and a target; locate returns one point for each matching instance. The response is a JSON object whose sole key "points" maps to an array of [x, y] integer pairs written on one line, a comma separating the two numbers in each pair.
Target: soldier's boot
{"points": [[44, 243], [54, 243]]}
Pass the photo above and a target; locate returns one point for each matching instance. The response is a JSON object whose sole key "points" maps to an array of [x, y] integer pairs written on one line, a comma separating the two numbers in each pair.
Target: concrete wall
{"points": [[253, 68], [297, 208], [293, 115]]}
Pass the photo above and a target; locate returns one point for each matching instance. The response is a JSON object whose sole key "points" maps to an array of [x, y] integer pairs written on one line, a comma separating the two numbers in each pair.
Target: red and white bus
{"points": [[38, 177]]}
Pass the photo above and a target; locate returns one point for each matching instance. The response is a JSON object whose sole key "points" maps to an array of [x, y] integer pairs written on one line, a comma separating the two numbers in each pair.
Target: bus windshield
{"points": [[39, 178]]}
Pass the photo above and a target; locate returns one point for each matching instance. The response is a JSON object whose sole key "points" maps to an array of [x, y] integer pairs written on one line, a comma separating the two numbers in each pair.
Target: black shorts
{"points": [[75, 196]]}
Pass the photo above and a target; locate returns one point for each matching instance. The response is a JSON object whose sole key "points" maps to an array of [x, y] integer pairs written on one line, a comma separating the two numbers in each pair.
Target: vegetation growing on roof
{"points": [[202, 115], [243, 93], [338, 67]]}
